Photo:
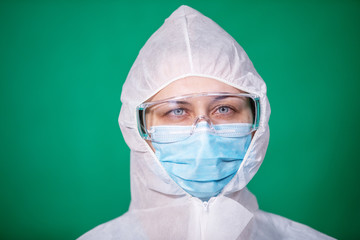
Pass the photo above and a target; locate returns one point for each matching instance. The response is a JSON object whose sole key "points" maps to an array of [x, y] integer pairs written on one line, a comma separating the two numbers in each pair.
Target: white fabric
{"points": [[190, 44]]}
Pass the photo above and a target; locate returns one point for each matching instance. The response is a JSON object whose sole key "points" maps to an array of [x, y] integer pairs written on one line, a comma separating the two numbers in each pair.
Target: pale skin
{"points": [[192, 85]]}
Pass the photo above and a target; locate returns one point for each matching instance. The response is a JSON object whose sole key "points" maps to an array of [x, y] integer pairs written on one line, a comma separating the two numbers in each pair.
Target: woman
{"points": [[195, 116]]}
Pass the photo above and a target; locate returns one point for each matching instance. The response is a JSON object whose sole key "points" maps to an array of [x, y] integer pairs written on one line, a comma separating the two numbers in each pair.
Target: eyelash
{"points": [[224, 106], [172, 112], [178, 109]]}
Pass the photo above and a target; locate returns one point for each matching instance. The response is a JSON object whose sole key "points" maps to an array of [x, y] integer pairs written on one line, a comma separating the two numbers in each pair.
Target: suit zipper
{"points": [[203, 221]]}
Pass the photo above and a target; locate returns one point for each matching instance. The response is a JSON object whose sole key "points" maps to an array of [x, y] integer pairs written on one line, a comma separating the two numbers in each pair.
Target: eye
{"points": [[223, 109], [177, 111]]}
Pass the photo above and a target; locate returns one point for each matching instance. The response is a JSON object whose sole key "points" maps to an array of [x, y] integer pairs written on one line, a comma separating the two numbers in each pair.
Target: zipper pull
{"points": [[206, 205]]}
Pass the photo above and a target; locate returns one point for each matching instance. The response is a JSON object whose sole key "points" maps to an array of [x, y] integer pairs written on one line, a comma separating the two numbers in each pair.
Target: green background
{"points": [[64, 165]]}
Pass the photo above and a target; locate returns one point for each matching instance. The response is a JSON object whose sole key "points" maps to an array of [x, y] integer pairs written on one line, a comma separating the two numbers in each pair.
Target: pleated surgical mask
{"points": [[205, 162]]}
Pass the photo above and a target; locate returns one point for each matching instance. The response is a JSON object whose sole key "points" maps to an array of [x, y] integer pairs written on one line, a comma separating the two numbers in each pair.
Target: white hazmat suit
{"points": [[190, 44]]}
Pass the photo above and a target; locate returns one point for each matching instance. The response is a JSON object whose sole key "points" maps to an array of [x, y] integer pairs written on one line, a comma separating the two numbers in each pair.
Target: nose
{"points": [[205, 119]]}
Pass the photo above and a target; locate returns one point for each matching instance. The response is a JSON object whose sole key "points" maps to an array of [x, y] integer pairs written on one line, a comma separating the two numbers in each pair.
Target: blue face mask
{"points": [[203, 163]]}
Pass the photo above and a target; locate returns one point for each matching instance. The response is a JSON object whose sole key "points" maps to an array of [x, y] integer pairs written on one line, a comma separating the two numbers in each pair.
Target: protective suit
{"points": [[190, 44]]}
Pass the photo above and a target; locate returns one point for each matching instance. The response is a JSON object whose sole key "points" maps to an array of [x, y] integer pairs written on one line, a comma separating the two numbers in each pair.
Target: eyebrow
{"points": [[220, 97], [223, 97], [179, 102]]}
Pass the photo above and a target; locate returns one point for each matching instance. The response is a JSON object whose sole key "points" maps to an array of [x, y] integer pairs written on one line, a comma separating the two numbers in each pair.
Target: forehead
{"points": [[192, 85]]}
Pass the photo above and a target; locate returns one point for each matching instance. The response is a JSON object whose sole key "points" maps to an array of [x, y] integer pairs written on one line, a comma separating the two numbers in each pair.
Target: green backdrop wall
{"points": [[64, 165]]}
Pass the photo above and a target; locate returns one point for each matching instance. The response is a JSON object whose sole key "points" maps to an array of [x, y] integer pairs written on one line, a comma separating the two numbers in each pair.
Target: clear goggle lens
{"points": [[182, 115]]}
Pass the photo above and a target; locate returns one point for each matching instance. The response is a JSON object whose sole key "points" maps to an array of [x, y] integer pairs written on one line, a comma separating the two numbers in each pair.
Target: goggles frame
{"points": [[141, 109]]}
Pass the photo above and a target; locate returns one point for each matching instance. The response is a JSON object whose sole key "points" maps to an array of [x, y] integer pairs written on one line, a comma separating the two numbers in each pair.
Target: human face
{"points": [[193, 85]]}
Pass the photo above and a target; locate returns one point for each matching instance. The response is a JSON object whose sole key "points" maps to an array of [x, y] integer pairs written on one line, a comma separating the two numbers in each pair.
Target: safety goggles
{"points": [[184, 113]]}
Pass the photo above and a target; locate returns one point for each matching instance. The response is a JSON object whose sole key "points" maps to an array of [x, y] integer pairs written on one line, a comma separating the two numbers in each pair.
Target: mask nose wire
{"points": [[202, 118]]}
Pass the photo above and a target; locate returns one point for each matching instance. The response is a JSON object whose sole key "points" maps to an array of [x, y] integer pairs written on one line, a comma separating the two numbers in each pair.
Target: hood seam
{"points": [[187, 40]]}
